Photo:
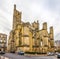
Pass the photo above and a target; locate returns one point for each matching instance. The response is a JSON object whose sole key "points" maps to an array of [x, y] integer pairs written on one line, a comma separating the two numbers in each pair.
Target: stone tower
{"points": [[51, 39], [51, 36], [45, 26], [44, 39], [35, 25], [16, 17]]}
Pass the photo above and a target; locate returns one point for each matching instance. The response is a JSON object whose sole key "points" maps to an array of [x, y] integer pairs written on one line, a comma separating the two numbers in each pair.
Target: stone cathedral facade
{"points": [[28, 37]]}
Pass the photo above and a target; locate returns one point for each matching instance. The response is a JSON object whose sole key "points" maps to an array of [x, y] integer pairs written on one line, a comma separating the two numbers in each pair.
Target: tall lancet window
{"points": [[41, 42]]}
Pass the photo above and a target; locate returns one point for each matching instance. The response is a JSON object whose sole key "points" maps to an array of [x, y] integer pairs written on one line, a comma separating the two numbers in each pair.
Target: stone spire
{"points": [[14, 6], [16, 17]]}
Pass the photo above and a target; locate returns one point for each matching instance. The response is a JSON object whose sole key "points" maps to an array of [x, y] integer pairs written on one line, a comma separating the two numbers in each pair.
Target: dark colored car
{"points": [[2, 52], [21, 53], [58, 55], [12, 51]]}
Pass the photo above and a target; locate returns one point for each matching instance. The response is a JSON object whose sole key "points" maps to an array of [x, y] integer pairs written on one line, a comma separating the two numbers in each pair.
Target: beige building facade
{"points": [[3, 42], [28, 37]]}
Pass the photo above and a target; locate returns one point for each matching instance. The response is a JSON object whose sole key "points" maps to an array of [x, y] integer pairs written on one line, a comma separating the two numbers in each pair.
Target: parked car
{"points": [[58, 55], [12, 51], [50, 53], [20, 53], [2, 52]]}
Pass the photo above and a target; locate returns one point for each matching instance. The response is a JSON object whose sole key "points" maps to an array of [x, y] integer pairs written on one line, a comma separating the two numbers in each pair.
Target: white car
{"points": [[2, 52], [50, 53], [56, 53]]}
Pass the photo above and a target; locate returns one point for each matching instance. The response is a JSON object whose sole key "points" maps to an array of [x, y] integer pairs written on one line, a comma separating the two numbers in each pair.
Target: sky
{"points": [[32, 10]]}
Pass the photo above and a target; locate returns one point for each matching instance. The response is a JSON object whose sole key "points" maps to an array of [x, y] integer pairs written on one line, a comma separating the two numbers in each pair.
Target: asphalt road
{"points": [[15, 56]]}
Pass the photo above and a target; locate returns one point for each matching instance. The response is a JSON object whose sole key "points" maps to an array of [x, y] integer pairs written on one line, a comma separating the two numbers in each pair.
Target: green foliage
{"points": [[34, 53], [30, 52], [58, 50]]}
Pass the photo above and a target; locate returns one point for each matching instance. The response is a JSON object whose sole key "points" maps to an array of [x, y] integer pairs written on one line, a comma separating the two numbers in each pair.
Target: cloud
{"points": [[57, 36], [32, 10]]}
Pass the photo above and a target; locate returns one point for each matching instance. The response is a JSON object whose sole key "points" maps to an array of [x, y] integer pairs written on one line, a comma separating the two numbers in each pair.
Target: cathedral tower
{"points": [[51, 33], [16, 17], [45, 26], [51, 38]]}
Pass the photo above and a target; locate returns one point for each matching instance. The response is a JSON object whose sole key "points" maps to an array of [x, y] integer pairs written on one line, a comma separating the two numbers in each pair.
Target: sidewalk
{"points": [[35, 54]]}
